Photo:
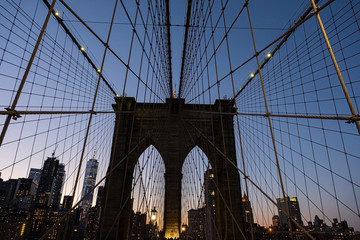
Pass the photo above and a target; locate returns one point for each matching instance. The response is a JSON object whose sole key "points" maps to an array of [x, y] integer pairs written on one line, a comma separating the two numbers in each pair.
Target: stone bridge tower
{"points": [[174, 128]]}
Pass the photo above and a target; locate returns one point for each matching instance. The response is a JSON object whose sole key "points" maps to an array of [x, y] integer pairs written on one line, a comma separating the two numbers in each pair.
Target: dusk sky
{"points": [[320, 159]]}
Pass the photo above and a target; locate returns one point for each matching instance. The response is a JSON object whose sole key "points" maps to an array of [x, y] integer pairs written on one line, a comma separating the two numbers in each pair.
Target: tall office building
{"points": [[35, 175], [138, 225], [247, 210], [89, 183], [93, 222], [294, 211], [209, 192], [26, 187], [43, 197], [275, 222], [101, 196], [50, 183], [196, 222], [67, 202], [25, 193], [56, 191], [209, 189], [8, 191]]}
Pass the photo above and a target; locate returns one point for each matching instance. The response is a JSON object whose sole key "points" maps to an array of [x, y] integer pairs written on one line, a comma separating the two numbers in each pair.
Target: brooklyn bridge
{"points": [[197, 119]]}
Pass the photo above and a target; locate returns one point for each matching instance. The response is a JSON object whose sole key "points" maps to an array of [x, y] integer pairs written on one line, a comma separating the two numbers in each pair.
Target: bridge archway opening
{"points": [[197, 192], [148, 188]]}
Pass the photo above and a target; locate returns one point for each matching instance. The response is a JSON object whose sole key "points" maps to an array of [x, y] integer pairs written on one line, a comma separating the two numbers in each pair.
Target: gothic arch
{"points": [[191, 178], [141, 199], [174, 129]]}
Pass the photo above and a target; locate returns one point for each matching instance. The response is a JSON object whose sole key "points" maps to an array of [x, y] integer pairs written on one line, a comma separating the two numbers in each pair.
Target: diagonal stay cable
{"points": [[66, 29], [252, 182], [91, 113], [91, 190], [110, 49], [228, 208], [187, 24], [167, 22], [283, 37], [306, 16], [23, 80], [138, 38]]}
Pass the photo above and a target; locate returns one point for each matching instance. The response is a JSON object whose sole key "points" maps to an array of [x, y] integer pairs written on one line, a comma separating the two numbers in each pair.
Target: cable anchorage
{"points": [[353, 119], [13, 113]]}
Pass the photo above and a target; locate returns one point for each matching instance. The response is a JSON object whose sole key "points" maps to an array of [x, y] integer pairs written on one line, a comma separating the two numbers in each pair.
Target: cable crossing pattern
{"points": [[288, 80]]}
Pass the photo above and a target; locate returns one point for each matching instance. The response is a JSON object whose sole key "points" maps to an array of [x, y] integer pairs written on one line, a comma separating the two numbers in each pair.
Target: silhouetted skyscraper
{"points": [[43, 197], [138, 226], [46, 183], [100, 196], [89, 183], [25, 193], [209, 188], [294, 211], [92, 226], [247, 210], [67, 202], [209, 192], [7, 191], [275, 222], [196, 222], [35, 175], [56, 191]]}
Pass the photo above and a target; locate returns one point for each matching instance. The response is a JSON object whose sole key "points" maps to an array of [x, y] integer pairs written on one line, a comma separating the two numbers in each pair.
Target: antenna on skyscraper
{"points": [[94, 152], [53, 154]]}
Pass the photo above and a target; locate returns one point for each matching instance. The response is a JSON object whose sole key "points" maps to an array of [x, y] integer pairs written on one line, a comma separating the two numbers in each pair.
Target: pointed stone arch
{"points": [[174, 128], [143, 199], [194, 167]]}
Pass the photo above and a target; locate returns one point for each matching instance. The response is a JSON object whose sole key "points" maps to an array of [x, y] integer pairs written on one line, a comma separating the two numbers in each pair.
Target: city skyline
{"points": [[34, 202], [197, 217], [91, 166], [291, 80]]}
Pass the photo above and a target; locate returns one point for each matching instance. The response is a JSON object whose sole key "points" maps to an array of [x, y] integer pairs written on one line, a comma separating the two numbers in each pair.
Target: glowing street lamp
{"points": [[153, 215], [183, 228]]}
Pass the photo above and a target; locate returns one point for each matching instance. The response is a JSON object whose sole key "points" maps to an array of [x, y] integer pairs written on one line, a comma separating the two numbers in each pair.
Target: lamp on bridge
{"points": [[153, 216], [183, 227]]}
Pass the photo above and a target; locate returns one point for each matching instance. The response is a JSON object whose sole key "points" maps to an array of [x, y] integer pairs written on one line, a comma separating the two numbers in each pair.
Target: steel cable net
{"points": [[60, 80], [313, 127], [148, 188], [317, 155], [295, 128], [63, 111], [197, 194]]}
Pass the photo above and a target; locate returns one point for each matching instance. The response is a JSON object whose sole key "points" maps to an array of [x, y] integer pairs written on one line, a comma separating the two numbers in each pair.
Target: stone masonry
{"points": [[174, 128]]}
